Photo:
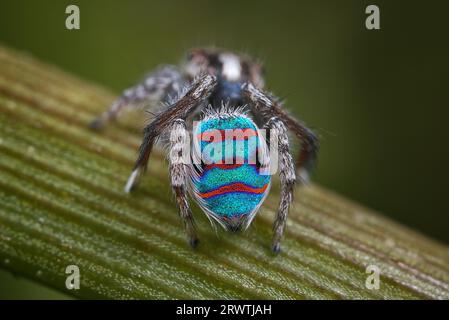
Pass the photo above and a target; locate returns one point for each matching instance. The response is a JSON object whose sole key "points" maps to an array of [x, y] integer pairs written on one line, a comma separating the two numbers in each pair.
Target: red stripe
{"points": [[234, 187], [239, 134], [222, 166]]}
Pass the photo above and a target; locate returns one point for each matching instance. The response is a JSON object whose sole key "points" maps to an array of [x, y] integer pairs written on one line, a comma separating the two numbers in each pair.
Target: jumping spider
{"points": [[228, 88]]}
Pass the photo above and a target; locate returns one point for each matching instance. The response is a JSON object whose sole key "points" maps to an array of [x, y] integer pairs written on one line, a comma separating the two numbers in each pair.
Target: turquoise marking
{"points": [[226, 123], [213, 178], [234, 204], [213, 152]]}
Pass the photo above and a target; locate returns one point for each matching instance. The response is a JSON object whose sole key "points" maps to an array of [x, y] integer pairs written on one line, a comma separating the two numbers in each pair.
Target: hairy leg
{"points": [[179, 139], [155, 87], [287, 177], [198, 93], [268, 106]]}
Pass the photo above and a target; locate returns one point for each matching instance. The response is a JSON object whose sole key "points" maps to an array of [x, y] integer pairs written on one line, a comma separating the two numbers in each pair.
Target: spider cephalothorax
{"points": [[220, 155]]}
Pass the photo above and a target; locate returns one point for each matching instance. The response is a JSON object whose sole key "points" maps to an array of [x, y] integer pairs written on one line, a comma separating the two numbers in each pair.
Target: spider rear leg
{"points": [[265, 104], [198, 93], [154, 88], [179, 167], [268, 107], [287, 177], [174, 118], [306, 160]]}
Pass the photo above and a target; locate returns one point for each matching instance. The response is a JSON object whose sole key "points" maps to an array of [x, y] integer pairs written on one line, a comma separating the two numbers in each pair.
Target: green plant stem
{"points": [[61, 203]]}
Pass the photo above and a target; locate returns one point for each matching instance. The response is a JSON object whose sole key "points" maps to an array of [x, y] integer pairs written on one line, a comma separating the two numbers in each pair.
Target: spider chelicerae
{"points": [[228, 89]]}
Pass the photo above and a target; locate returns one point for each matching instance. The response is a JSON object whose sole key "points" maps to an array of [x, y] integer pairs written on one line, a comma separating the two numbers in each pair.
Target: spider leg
{"points": [[268, 106], [287, 176], [179, 175], [198, 93], [157, 86]]}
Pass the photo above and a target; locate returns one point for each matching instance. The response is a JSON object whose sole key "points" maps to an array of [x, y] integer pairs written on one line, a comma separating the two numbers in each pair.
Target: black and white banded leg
{"points": [[156, 87], [178, 142], [269, 106], [287, 176], [181, 109]]}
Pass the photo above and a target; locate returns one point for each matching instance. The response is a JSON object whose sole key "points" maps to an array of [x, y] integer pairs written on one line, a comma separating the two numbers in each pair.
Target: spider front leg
{"points": [[287, 177], [265, 104], [198, 93], [154, 88]]}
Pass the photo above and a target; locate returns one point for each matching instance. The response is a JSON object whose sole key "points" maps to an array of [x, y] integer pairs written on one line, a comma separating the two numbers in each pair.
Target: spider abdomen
{"points": [[229, 184]]}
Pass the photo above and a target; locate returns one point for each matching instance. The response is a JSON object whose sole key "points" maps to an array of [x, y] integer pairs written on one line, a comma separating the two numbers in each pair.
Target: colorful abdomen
{"points": [[229, 183]]}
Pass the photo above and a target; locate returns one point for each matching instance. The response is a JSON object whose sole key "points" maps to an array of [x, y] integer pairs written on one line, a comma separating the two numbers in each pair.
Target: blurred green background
{"points": [[377, 98]]}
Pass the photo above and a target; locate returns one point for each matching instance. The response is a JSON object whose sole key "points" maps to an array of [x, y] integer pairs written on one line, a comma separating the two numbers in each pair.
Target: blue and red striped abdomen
{"points": [[228, 183]]}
